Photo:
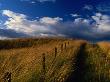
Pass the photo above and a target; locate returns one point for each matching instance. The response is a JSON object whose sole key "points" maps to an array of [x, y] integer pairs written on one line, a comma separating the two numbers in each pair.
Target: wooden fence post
{"points": [[7, 77], [55, 52], [68, 43], [43, 67]]}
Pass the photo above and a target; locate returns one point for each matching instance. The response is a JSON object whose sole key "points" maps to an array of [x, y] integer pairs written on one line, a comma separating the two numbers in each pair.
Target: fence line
{"points": [[7, 76]]}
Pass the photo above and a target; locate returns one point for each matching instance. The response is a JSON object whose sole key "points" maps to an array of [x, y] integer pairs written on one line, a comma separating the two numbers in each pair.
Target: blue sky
{"points": [[84, 19]]}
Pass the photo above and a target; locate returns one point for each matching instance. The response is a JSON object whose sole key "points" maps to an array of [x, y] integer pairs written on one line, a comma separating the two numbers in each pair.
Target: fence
{"points": [[7, 77]]}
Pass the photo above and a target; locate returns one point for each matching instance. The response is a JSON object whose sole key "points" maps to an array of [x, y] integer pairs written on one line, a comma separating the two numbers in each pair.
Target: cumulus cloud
{"points": [[17, 21], [18, 25], [49, 20], [102, 22]]}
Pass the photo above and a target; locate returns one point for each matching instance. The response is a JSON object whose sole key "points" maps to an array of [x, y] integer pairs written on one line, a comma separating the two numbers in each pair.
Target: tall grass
{"points": [[25, 63], [97, 66], [54, 60]]}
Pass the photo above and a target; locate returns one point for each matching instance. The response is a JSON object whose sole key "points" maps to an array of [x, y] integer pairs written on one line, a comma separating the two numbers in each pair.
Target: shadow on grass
{"points": [[79, 73]]}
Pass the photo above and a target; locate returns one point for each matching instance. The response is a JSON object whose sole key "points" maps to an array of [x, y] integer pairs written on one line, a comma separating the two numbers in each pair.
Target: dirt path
{"points": [[78, 74]]}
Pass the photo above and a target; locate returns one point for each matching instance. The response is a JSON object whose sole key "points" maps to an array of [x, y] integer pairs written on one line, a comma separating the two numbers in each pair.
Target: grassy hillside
{"points": [[54, 60]]}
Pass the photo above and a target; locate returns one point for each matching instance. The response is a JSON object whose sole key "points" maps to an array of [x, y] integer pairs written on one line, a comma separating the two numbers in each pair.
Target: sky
{"points": [[82, 19]]}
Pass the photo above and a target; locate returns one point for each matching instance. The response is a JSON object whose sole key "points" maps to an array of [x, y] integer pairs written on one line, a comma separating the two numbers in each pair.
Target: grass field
{"points": [[54, 60]]}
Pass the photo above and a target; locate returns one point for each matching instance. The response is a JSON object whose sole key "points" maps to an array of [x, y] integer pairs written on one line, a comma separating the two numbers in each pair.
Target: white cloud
{"points": [[14, 15], [55, 26], [102, 22], [3, 38], [45, 26], [20, 23], [81, 20], [15, 21], [49, 20], [75, 15]]}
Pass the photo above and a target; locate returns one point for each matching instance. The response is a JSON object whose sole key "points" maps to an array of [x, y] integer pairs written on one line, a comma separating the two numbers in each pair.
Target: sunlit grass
{"points": [[26, 65]]}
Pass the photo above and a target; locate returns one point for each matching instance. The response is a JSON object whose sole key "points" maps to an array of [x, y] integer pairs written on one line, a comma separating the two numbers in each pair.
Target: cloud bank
{"points": [[18, 25]]}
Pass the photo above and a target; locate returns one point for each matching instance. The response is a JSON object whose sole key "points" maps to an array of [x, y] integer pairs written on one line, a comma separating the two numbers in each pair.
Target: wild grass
{"points": [[25, 63], [97, 65], [66, 60]]}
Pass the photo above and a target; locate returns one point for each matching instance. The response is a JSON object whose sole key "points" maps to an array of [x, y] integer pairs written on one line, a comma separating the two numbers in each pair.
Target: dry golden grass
{"points": [[104, 45], [24, 60]]}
